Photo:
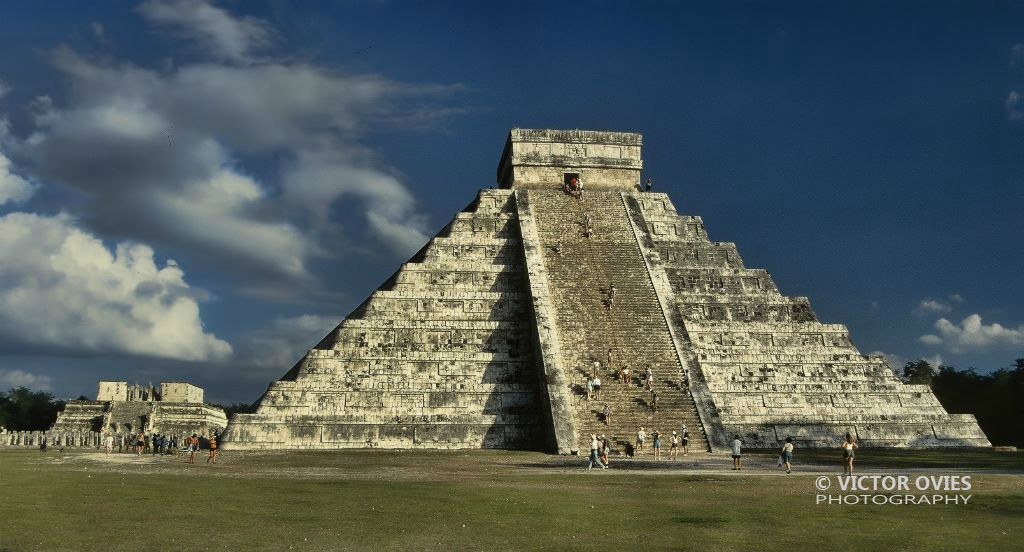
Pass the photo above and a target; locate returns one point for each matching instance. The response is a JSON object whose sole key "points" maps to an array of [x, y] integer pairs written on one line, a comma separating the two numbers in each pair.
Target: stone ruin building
{"points": [[120, 408], [486, 337]]}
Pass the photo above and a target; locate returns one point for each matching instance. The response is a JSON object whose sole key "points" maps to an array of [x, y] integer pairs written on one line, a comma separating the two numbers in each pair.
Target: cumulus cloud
{"points": [[972, 333], [278, 346], [930, 339], [21, 378], [13, 188], [217, 32], [160, 155], [1017, 55], [1014, 105], [63, 290], [929, 306]]}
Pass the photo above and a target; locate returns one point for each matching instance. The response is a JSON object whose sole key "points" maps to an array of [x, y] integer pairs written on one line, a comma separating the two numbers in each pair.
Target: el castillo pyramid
{"points": [[487, 336]]}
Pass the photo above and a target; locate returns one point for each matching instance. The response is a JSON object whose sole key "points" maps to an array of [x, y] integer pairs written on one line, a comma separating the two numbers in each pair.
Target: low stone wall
{"points": [[82, 439], [90, 439]]}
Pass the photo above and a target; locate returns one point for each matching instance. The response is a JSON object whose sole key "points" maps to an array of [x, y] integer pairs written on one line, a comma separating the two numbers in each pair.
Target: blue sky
{"points": [[199, 191]]}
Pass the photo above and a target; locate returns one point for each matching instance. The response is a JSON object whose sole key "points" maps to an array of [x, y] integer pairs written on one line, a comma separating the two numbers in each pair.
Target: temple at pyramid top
{"points": [[538, 158]]}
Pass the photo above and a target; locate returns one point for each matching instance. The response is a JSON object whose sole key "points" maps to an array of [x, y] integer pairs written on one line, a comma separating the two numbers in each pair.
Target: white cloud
{"points": [[13, 188], [956, 298], [160, 157], [280, 345], [930, 339], [929, 306], [219, 33], [21, 378], [62, 289], [1014, 107], [972, 333]]}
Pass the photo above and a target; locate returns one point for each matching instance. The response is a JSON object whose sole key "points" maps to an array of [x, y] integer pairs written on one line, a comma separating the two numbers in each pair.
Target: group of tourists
{"points": [[609, 299], [624, 374], [574, 187], [157, 443], [677, 441], [600, 447]]}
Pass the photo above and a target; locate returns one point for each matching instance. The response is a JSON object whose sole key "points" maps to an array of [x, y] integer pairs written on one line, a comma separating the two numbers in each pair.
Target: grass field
{"points": [[488, 500]]}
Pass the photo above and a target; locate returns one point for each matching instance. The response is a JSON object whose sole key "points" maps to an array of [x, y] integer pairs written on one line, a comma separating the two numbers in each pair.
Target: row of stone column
{"points": [[53, 438]]}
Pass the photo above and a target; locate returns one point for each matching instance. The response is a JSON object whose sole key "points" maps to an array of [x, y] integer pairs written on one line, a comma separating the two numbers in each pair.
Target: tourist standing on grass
{"points": [[849, 445], [140, 443], [641, 437], [108, 443], [686, 441], [605, 448], [594, 459], [737, 450], [213, 450], [787, 455], [657, 444], [193, 447]]}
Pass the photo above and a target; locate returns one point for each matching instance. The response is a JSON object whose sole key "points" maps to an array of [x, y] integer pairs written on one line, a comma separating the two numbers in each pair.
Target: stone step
{"points": [[588, 328]]}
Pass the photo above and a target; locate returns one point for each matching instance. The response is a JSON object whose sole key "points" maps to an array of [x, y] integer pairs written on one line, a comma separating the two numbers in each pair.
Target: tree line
{"points": [[993, 398], [22, 409]]}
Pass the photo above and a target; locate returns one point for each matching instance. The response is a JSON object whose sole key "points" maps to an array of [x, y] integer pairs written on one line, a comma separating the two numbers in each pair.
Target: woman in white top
{"points": [[737, 447], [595, 459], [849, 445], [641, 437], [787, 454]]}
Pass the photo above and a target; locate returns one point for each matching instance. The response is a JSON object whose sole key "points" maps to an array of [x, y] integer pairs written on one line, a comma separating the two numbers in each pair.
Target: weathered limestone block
{"points": [[772, 370], [439, 357]]}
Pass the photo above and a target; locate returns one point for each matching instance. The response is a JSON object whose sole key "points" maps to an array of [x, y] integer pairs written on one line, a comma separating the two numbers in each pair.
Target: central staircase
{"points": [[580, 269]]}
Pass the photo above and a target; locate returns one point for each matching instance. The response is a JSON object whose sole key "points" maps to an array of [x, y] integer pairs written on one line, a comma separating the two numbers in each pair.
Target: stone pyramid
{"points": [[487, 336]]}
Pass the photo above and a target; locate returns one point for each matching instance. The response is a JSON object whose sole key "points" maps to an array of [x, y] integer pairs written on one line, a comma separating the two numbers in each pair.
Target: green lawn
{"points": [[481, 500]]}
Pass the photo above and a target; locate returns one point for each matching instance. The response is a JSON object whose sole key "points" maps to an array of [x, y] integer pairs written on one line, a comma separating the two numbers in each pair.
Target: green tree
{"points": [[992, 398], [22, 409], [918, 371]]}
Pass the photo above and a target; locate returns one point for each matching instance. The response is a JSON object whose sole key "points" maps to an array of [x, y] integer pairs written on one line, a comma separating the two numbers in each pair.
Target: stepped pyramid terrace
{"points": [[122, 408], [487, 336]]}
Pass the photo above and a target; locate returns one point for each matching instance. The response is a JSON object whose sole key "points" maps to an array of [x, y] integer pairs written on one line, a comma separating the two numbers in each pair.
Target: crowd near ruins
{"points": [[165, 416]]}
